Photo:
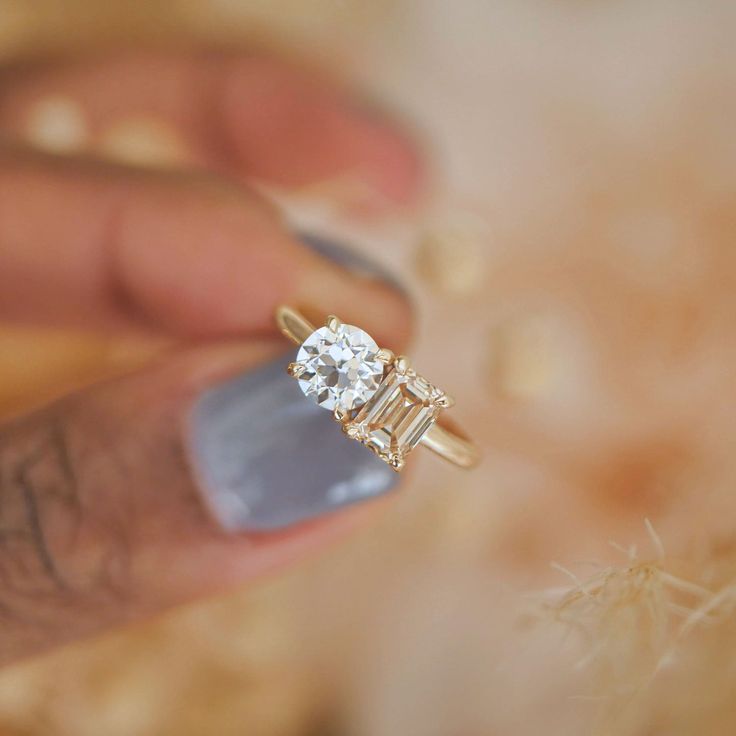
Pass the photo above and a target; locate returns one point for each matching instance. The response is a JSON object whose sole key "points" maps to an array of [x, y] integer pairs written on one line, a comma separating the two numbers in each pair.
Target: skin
{"points": [[101, 521]]}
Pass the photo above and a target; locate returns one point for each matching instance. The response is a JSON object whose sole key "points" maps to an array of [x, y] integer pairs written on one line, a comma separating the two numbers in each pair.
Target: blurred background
{"points": [[574, 268]]}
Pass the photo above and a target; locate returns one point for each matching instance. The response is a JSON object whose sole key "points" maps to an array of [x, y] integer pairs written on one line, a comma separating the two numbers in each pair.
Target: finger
{"points": [[250, 114], [201, 473], [100, 245]]}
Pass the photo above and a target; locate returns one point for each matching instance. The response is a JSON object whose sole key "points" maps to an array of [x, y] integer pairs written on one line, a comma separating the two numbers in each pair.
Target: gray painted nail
{"points": [[355, 262], [267, 458]]}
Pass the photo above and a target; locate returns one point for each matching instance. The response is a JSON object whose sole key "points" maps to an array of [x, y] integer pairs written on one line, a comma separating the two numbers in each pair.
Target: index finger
{"points": [[84, 243]]}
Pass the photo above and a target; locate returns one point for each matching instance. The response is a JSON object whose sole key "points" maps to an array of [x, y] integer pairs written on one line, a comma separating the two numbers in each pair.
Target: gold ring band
{"points": [[376, 396]]}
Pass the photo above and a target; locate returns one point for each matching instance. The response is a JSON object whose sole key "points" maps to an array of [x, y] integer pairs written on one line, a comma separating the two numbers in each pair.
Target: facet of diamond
{"points": [[394, 421], [341, 369]]}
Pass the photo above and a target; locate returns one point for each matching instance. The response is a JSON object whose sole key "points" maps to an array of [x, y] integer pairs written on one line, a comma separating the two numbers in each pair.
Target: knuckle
{"points": [[45, 557]]}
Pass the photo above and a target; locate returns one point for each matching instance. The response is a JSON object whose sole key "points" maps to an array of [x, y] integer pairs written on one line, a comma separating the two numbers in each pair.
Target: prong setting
{"points": [[295, 369], [353, 431], [333, 323], [443, 400], [402, 365], [396, 461], [386, 356]]}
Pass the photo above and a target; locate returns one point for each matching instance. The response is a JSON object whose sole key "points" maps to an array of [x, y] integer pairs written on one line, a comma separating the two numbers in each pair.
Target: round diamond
{"points": [[341, 369]]}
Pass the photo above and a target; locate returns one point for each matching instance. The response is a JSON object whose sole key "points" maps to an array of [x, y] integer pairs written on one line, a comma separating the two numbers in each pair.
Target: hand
{"points": [[205, 469]]}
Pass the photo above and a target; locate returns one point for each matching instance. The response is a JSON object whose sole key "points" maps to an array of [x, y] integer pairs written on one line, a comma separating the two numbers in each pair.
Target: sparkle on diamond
{"points": [[341, 367]]}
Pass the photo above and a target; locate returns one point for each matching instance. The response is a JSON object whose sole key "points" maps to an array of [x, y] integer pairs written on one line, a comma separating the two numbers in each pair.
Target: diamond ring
{"points": [[376, 396]]}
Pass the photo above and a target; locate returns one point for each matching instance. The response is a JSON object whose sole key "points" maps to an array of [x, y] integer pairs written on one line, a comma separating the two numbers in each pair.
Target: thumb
{"points": [[204, 471]]}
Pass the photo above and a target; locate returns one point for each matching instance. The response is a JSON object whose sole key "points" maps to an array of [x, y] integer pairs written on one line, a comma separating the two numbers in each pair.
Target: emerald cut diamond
{"points": [[398, 415]]}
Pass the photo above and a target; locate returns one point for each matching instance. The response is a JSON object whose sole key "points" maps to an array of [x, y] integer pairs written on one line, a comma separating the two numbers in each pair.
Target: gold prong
{"points": [[333, 323], [445, 401], [351, 431], [295, 369], [396, 462], [340, 414], [386, 356], [402, 364]]}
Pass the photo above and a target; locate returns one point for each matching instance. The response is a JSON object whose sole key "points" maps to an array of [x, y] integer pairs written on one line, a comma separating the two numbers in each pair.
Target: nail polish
{"points": [[267, 459]]}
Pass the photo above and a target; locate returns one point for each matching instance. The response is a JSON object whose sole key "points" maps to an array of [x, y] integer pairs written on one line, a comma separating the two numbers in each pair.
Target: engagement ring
{"points": [[376, 396]]}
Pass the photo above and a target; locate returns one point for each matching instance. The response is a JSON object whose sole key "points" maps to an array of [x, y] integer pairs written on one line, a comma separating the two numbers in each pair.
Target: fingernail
{"points": [[266, 458], [357, 263]]}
